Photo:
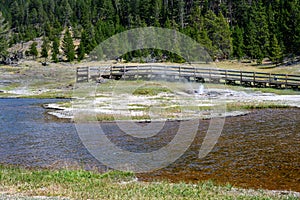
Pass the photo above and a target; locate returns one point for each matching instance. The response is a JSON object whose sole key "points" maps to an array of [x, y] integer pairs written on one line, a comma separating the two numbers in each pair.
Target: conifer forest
{"points": [[228, 29]]}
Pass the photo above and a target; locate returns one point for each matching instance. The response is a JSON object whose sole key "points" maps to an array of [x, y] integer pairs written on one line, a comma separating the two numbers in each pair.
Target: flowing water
{"points": [[31, 137], [259, 150]]}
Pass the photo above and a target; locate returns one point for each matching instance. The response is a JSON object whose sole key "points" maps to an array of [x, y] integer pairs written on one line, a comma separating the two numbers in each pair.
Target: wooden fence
{"points": [[197, 74]]}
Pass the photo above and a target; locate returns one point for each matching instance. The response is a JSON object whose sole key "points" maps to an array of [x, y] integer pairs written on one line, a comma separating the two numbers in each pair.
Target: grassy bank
{"points": [[265, 67], [79, 184], [252, 89], [33, 80]]}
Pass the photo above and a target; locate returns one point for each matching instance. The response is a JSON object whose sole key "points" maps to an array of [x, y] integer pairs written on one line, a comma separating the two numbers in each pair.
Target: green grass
{"points": [[252, 89], [109, 118], [80, 184], [50, 95], [266, 67], [277, 91], [10, 86], [150, 90], [253, 105], [65, 104]]}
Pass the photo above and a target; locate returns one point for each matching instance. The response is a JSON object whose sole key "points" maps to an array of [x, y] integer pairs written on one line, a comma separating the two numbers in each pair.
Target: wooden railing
{"points": [[198, 74]]}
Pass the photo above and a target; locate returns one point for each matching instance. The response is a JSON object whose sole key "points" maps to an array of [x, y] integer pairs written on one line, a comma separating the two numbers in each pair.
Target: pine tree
{"points": [[33, 50], [224, 36], [251, 46], [296, 34], [55, 50], [238, 43], [154, 12], [45, 48], [68, 46], [275, 53], [199, 32], [30, 19], [80, 51], [219, 33], [66, 12], [262, 32], [3, 37]]}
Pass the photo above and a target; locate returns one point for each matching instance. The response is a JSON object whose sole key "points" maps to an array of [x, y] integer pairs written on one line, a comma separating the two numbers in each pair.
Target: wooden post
{"points": [[151, 70], [179, 72], [286, 80], [124, 68], [254, 78], [209, 75], [138, 72], [110, 76], [241, 78], [77, 75], [165, 74], [88, 74], [100, 71]]}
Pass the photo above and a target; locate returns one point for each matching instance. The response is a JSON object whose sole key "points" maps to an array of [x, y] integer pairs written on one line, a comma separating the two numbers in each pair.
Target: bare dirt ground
{"points": [[31, 78]]}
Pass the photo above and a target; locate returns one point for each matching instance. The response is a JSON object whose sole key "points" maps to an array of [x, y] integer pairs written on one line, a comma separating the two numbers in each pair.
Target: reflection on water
{"points": [[260, 150], [30, 137]]}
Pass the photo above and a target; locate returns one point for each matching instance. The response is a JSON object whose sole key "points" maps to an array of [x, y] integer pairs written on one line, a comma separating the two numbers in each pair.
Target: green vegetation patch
{"points": [[51, 95], [151, 90], [253, 105], [11, 86], [80, 184]]}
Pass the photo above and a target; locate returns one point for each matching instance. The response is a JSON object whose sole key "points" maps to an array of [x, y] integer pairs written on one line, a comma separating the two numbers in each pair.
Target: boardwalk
{"points": [[196, 74]]}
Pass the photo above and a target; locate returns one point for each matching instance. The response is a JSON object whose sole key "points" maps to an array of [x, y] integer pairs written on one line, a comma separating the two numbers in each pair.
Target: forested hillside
{"points": [[253, 29]]}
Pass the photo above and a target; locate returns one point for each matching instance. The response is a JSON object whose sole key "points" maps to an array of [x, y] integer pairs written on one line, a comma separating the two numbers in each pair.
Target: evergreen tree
{"points": [[295, 26], [33, 50], [66, 12], [85, 42], [68, 46], [55, 50], [223, 38], [154, 12], [262, 31], [219, 33], [3, 37], [238, 43], [252, 48], [30, 19], [45, 48], [80, 51], [198, 31], [275, 53], [89, 38]]}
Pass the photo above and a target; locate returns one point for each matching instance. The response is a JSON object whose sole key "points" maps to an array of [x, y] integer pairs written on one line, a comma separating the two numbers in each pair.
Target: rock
{"points": [[45, 63], [101, 80]]}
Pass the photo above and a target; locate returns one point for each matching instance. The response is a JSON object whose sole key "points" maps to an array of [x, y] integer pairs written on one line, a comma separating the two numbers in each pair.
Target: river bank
{"points": [[20, 183]]}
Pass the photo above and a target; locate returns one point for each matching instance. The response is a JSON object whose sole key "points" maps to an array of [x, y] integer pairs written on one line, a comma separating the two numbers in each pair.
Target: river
{"points": [[259, 150]]}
